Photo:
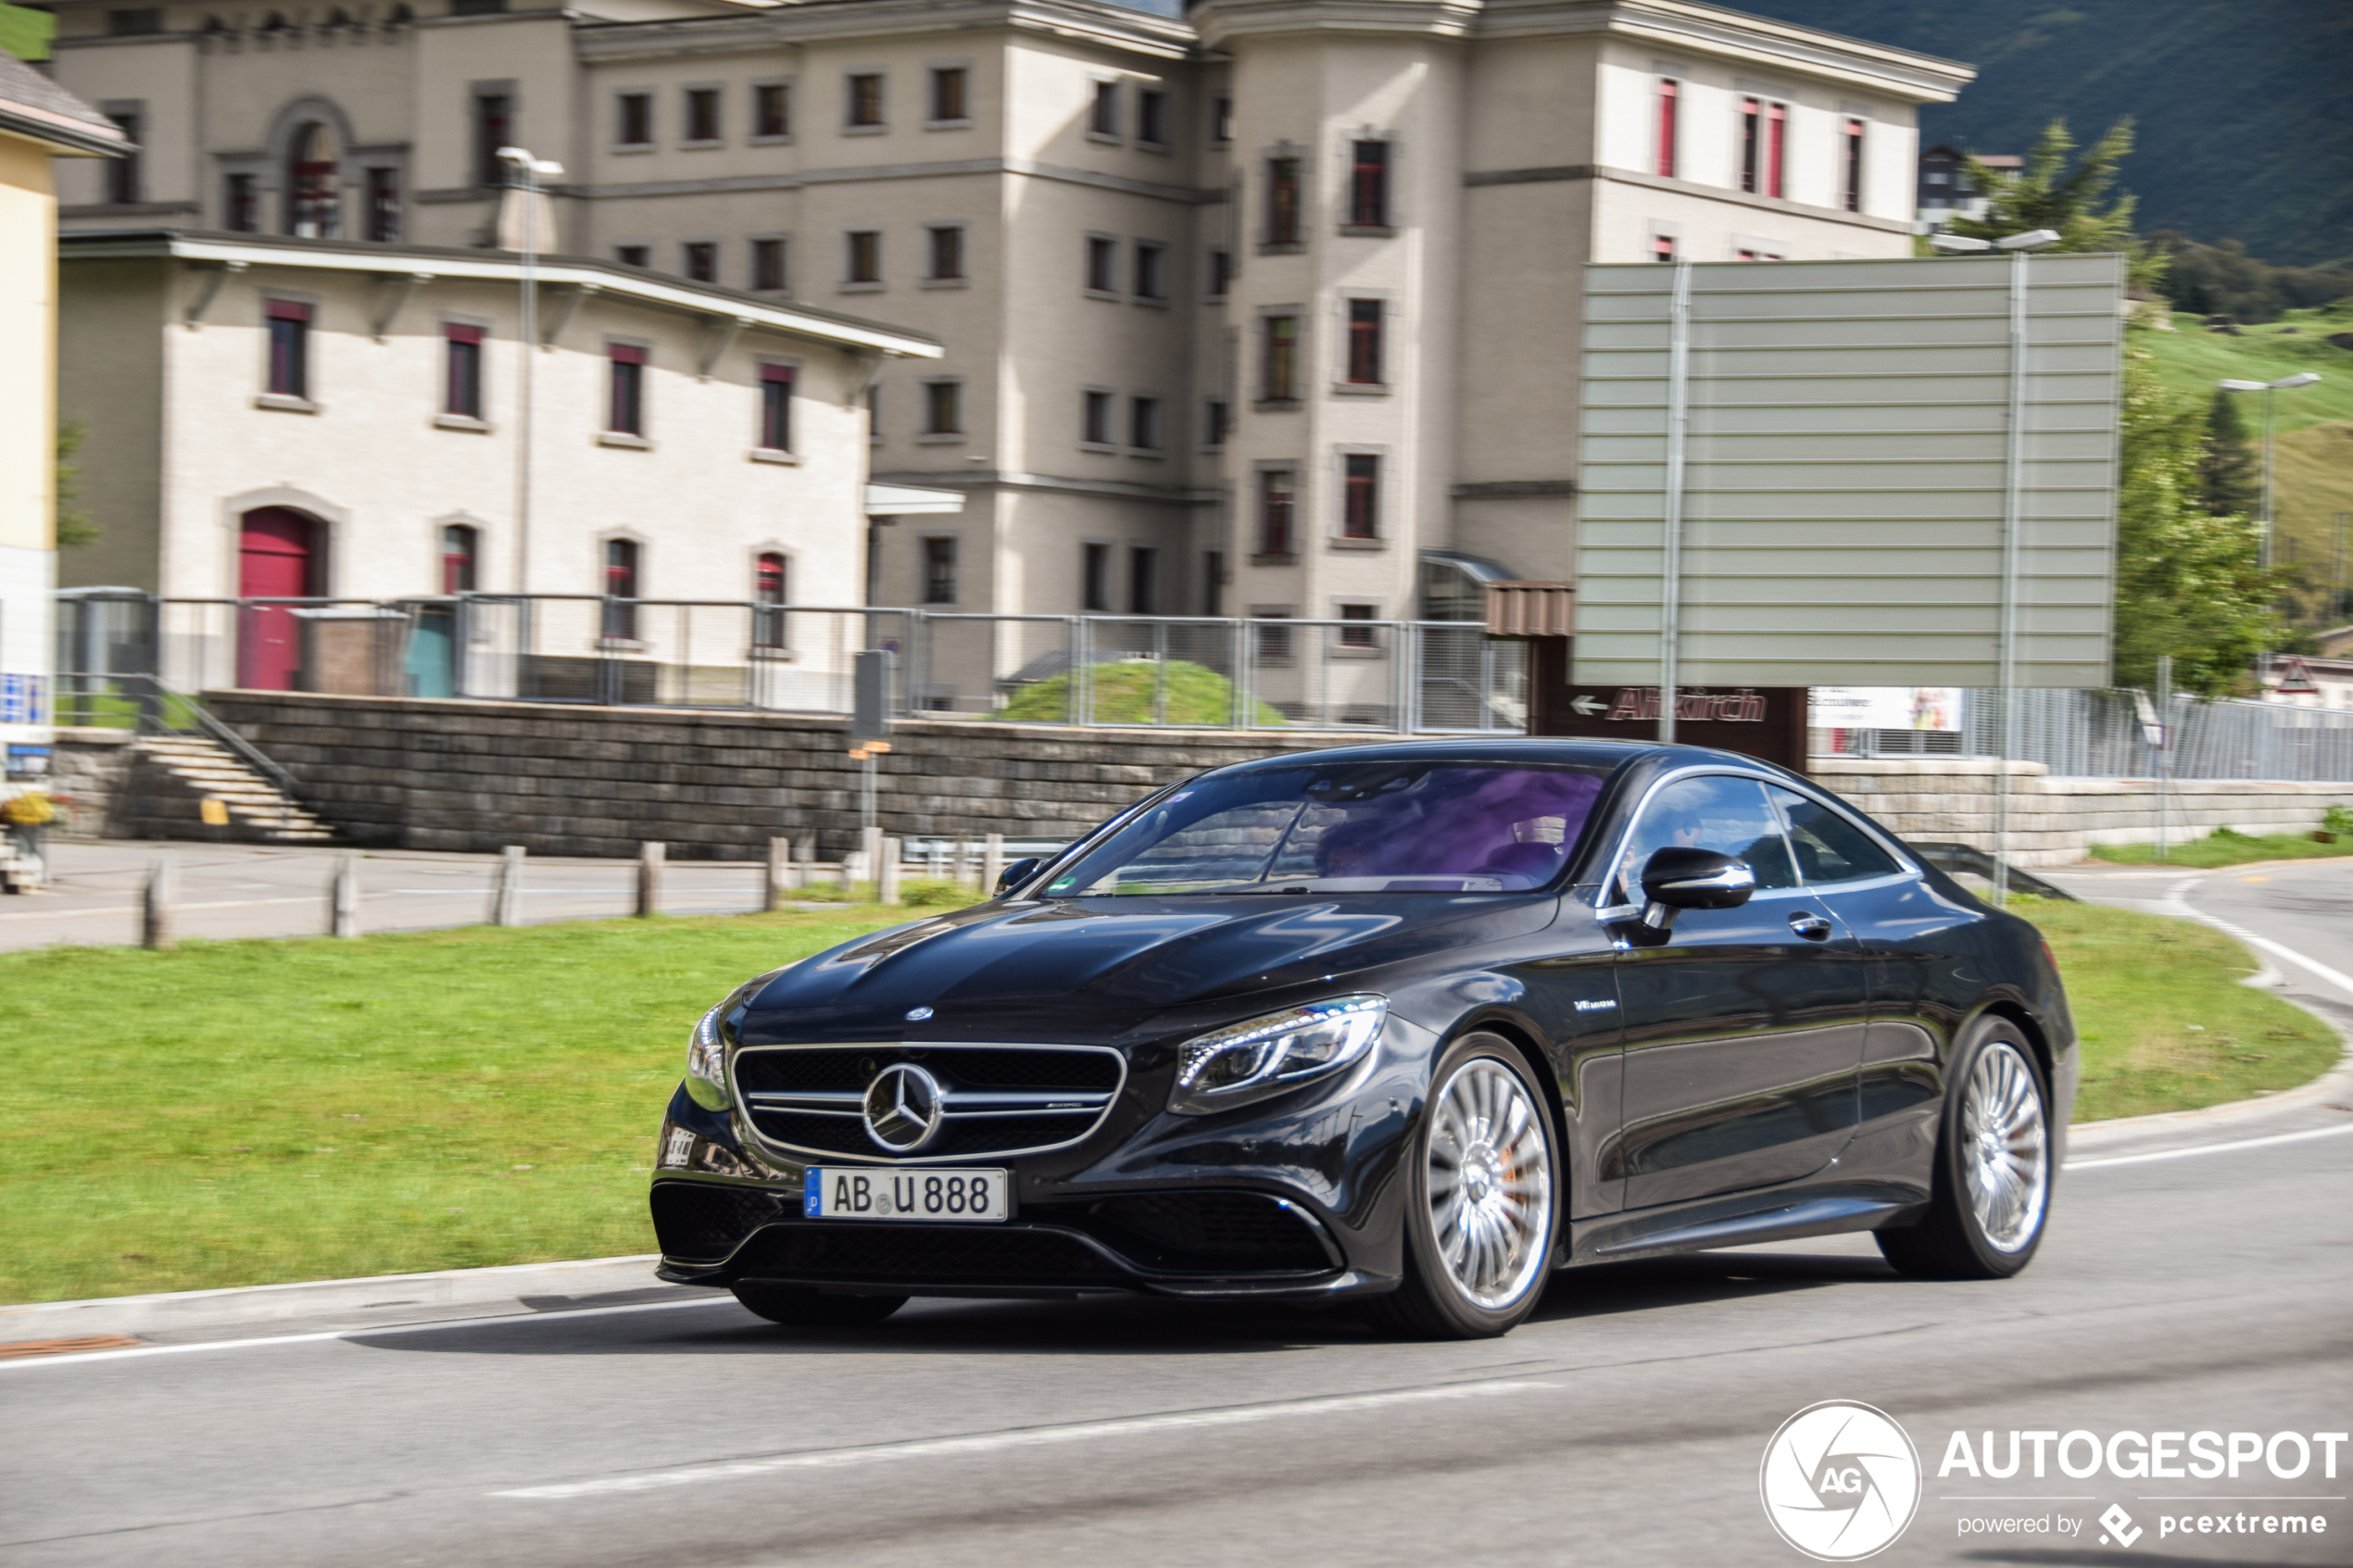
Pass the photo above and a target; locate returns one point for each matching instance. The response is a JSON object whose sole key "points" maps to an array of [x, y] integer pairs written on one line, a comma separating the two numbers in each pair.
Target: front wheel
{"points": [[1483, 1210], [1992, 1186], [797, 1306]]}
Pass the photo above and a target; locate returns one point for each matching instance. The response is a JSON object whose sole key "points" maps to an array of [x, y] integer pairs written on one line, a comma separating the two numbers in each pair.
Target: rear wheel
{"points": [[799, 1307], [1482, 1208], [1991, 1183]]}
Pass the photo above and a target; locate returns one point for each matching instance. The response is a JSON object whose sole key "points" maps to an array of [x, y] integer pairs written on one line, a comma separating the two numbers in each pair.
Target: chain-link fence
{"points": [[2108, 734], [1419, 677]]}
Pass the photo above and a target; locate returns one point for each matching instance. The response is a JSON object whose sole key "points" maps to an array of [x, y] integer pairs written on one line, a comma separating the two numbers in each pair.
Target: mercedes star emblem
{"points": [[917, 1015], [903, 1107]]}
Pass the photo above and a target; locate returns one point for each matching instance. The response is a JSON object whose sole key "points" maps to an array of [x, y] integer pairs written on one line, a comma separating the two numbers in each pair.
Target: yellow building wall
{"points": [[28, 346]]}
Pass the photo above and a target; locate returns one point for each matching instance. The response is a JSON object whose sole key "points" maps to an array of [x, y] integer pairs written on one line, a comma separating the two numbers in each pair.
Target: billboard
{"points": [[1847, 502]]}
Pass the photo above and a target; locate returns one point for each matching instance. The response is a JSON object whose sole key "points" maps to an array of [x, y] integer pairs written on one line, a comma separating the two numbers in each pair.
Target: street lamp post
{"points": [[2270, 389], [527, 170]]}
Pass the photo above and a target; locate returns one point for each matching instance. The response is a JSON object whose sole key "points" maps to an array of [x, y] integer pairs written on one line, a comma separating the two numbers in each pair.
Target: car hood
{"points": [[1089, 961]]}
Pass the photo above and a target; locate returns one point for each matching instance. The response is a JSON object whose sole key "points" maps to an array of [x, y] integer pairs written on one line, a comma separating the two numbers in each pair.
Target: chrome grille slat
{"points": [[995, 1100]]}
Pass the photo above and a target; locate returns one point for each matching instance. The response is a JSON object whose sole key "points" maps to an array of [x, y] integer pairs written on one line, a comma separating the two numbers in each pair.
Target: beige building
{"points": [[39, 122], [276, 418], [1271, 309]]}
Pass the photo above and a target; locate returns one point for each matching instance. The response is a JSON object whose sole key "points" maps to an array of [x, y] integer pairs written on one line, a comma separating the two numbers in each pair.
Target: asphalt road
{"points": [[2196, 1277]]}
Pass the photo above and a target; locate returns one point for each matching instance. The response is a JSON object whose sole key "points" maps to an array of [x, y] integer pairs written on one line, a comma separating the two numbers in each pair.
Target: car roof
{"points": [[1578, 751]]}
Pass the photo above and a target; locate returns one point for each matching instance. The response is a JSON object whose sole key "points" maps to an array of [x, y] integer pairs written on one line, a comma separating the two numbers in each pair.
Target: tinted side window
{"points": [[1719, 812], [1830, 848]]}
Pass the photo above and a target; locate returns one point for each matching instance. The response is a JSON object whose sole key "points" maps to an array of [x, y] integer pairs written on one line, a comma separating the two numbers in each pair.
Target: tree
{"points": [[74, 527], [2189, 582], [2045, 193], [2230, 476]]}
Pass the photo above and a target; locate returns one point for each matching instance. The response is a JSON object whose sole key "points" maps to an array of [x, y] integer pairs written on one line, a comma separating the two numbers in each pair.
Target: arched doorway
{"points": [[312, 199], [281, 555]]}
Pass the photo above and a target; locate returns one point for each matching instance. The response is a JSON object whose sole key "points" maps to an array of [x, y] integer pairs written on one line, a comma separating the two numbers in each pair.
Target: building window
{"points": [[768, 266], [1102, 266], [943, 408], [1221, 272], [775, 408], [1354, 635], [1360, 497], [1143, 423], [1272, 637], [1277, 499], [939, 569], [1213, 582], [1143, 586], [1280, 359], [1670, 95], [863, 262], [948, 100], [633, 119], [771, 111], [1368, 186], [1152, 118], [626, 409], [1363, 342], [1662, 248], [1094, 578], [620, 620], [1764, 139], [699, 260], [946, 255], [1095, 419], [124, 175], [633, 256], [1212, 424], [1853, 183], [313, 199], [874, 413], [1102, 115], [1152, 273], [384, 205], [289, 348], [1221, 120], [494, 129], [133, 23], [1754, 256], [461, 547], [243, 206], [1282, 201], [461, 382], [702, 114], [866, 99], [769, 586]]}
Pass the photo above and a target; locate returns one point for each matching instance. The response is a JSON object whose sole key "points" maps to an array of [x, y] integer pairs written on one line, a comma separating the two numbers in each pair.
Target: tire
{"points": [[1990, 1192], [797, 1306], [1483, 1200]]}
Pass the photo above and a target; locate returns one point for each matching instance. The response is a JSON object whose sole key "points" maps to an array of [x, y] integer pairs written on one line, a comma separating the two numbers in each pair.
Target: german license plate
{"points": [[839, 1191]]}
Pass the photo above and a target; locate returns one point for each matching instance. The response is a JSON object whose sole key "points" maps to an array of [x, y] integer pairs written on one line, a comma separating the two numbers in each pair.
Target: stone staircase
{"points": [[199, 766]]}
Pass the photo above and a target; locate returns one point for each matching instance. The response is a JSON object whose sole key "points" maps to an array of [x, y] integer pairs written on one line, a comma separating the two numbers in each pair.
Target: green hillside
{"points": [[2241, 104]]}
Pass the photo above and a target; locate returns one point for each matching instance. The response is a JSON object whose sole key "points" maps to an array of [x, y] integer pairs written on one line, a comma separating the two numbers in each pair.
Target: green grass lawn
{"points": [[2191, 359], [2164, 1024], [244, 1112], [2223, 847]]}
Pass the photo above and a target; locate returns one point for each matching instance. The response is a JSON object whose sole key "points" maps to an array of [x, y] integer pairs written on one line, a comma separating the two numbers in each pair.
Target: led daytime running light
{"points": [[1263, 1056]]}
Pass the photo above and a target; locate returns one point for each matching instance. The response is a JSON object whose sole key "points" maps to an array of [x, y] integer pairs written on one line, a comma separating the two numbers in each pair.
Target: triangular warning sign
{"points": [[2295, 678]]}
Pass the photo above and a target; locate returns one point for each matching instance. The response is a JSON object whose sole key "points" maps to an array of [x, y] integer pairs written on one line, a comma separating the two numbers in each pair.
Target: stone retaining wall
{"points": [[569, 779]]}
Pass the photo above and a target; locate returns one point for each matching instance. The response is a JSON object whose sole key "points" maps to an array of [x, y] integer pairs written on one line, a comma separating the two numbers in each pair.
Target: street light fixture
{"points": [[527, 170], [2285, 383]]}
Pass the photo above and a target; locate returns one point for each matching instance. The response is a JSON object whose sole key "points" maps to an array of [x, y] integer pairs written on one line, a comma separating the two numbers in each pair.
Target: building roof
{"points": [[38, 109], [435, 261]]}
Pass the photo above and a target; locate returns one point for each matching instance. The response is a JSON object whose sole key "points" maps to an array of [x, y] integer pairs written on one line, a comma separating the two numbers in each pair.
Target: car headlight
{"points": [[707, 1062], [1259, 1056]]}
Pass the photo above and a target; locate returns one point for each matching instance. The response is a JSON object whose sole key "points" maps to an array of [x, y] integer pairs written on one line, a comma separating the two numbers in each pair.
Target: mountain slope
{"points": [[2241, 105]]}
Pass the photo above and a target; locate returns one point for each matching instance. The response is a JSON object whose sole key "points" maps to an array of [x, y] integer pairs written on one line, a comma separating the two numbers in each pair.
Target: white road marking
{"points": [[2338, 978], [87, 1357], [2209, 1149], [1020, 1438]]}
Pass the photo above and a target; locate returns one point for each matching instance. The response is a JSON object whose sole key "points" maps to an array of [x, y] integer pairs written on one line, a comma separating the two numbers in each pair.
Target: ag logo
{"points": [[1840, 1481]]}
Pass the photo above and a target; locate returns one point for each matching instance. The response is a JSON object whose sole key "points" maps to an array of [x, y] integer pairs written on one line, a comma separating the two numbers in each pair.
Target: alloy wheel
{"points": [[2006, 1147], [1491, 1183]]}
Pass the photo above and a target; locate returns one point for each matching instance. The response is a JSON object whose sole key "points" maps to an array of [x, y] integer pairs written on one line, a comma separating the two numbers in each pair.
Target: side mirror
{"points": [[1013, 876], [1692, 879]]}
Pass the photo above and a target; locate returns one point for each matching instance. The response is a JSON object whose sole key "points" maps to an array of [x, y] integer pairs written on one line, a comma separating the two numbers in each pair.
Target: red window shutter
{"points": [[1777, 141], [1668, 94], [455, 334], [776, 373], [288, 310], [624, 354]]}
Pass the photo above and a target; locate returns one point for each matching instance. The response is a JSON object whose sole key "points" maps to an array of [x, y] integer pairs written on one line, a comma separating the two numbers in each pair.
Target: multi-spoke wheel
{"points": [[1992, 1178], [1482, 1212]]}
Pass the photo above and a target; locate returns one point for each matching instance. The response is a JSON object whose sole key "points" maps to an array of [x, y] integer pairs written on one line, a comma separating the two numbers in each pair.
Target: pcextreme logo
{"points": [[1840, 1481]]}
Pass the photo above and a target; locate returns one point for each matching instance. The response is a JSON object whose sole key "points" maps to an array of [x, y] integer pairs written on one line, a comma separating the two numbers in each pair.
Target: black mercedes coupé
{"points": [[1410, 1025]]}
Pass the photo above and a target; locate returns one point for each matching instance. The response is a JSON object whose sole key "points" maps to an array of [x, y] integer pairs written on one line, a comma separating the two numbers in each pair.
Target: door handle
{"points": [[1811, 926]]}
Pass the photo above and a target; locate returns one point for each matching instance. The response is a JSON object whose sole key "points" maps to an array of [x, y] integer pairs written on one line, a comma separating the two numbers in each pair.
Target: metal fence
{"points": [[2101, 734], [1419, 677]]}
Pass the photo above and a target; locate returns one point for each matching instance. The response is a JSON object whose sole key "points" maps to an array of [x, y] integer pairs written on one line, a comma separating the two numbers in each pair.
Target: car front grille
{"points": [[944, 1256], [997, 1100], [703, 1221]]}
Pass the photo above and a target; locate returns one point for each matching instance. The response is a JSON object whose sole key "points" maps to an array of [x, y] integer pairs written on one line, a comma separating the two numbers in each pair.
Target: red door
{"points": [[278, 558]]}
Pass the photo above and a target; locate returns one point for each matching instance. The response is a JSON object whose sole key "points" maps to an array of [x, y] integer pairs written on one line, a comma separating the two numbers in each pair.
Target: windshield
{"points": [[1365, 827]]}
